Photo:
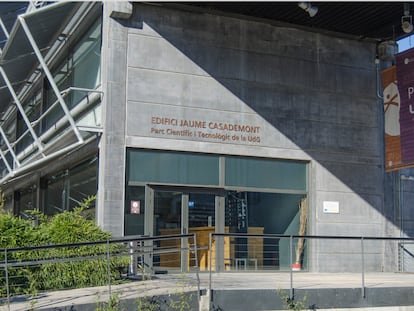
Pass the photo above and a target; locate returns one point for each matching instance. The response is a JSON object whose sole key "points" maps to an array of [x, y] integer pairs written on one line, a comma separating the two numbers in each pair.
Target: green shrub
{"points": [[15, 232], [90, 267]]}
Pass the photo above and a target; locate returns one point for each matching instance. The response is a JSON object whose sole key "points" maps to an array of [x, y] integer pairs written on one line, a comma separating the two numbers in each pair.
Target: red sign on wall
{"points": [[405, 82], [392, 105], [398, 90], [135, 207]]}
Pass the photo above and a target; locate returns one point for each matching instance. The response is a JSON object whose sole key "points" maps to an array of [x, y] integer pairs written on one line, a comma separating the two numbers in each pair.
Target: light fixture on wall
{"points": [[407, 20], [307, 7]]}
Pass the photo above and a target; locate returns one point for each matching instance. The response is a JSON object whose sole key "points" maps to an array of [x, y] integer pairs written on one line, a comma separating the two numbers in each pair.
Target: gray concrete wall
{"points": [[400, 185], [111, 185], [308, 96]]}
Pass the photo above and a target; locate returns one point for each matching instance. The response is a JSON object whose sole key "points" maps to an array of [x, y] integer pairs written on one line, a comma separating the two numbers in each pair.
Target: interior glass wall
{"points": [[263, 213]]}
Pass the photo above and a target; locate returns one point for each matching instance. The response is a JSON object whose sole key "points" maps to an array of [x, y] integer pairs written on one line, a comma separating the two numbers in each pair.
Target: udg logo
{"points": [[408, 60]]}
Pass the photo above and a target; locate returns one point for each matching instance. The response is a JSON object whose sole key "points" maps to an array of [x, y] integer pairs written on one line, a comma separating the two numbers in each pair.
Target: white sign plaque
{"points": [[331, 207]]}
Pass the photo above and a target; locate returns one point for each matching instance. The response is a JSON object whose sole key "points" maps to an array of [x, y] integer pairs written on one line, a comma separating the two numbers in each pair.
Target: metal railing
{"points": [[406, 256], [141, 257], [28, 271], [354, 251]]}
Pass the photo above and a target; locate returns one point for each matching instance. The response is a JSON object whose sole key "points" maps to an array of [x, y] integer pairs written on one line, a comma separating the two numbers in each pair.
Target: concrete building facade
{"points": [[194, 119]]}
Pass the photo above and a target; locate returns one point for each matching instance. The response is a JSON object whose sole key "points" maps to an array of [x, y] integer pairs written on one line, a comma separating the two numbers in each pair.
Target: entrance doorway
{"points": [[182, 210], [184, 192]]}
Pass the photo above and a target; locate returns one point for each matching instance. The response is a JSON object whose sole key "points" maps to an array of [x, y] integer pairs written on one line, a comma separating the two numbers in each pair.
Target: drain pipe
{"points": [[377, 65]]}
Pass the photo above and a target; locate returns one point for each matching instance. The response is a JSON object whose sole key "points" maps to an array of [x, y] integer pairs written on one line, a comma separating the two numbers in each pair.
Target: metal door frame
{"points": [[219, 193]]}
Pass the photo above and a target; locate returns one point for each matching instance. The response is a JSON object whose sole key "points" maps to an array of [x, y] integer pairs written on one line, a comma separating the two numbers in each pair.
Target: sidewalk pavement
{"points": [[175, 283]]}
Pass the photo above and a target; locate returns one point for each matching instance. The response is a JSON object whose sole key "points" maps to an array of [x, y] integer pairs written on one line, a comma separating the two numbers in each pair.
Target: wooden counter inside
{"points": [[255, 248]]}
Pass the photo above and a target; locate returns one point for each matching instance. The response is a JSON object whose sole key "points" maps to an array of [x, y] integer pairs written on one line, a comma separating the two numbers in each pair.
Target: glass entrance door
{"points": [[202, 222], [167, 212], [168, 216], [182, 212]]}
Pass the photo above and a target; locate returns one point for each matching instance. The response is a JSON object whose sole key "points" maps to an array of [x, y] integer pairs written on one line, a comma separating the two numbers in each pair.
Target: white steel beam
{"points": [[50, 79], [9, 147], [6, 33], [3, 157], [21, 109]]}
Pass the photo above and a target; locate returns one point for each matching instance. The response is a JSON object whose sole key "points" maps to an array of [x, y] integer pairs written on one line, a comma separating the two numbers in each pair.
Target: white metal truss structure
{"points": [[34, 42]]}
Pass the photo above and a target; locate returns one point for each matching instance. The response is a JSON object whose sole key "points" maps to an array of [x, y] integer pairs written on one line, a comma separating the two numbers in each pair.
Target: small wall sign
{"points": [[331, 207], [135, 207]]}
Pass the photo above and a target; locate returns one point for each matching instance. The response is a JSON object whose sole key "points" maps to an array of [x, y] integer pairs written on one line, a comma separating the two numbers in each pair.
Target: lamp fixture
{"points": [[407, 20], [308, 7]]}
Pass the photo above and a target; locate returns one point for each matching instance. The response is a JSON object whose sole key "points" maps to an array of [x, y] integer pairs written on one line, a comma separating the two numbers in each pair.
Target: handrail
{"points": [[140, 250], [335, 237], [112, 240], [291, 237], [131, 250]]}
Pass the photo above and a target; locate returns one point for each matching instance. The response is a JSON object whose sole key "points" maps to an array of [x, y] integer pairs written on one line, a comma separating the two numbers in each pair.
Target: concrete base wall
{"points": [[380, 299], [312, 299]]}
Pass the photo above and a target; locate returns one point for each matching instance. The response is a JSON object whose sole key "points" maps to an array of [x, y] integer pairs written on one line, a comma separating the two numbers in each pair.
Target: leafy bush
{"points": [[71, 267], [15, 232]]}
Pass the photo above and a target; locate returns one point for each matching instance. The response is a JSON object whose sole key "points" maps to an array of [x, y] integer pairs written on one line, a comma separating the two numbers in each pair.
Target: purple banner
{"points": [[405, 80]]}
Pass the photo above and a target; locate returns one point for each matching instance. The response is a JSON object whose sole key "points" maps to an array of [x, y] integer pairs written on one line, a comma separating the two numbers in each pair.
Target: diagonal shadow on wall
{"points": [[318, 92]]}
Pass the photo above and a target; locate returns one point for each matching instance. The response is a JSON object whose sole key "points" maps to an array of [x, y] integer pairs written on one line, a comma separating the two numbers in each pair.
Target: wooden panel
{"points": [[255, 245], [173, 259], [255, 248]]}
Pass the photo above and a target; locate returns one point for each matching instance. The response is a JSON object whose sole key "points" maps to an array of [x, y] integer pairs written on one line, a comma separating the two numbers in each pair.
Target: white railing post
{"points": [[290, 264], [363, 268], [108, 259], [7, 279]]}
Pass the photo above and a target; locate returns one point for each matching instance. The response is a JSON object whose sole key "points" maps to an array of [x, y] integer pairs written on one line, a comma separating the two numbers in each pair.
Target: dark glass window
{"points": [[171, 167], [80, 69], [70, 188]]}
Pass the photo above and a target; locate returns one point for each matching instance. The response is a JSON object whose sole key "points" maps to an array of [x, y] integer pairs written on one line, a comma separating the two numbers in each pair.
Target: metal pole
{"points": [[290, 263], [363, 268], [7, 280], [209, 276], [108, 260], [141, 250], [50, 78], [133, 259], [196, 265]]}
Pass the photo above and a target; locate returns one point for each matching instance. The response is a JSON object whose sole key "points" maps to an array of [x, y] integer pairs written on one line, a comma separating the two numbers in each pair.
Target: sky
{"points": [[406, 43]]}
